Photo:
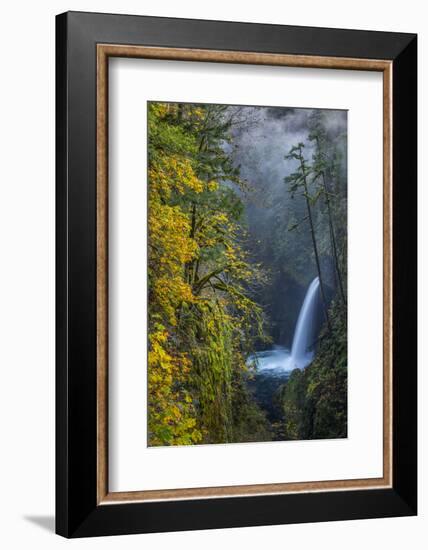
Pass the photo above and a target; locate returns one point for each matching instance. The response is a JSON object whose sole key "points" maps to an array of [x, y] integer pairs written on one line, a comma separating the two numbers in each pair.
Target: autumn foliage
{"points": [[202, 320]]}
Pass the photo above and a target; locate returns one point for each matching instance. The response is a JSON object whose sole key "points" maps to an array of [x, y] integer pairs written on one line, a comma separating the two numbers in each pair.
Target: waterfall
{"points": [[302, 351], [279, 360]]}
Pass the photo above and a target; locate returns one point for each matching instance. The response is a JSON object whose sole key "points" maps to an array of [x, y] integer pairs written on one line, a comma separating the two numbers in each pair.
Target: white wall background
{"points": [[27, 273]]}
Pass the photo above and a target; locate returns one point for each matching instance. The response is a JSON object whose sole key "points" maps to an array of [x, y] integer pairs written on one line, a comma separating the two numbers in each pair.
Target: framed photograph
{"points": [[236, 274]]}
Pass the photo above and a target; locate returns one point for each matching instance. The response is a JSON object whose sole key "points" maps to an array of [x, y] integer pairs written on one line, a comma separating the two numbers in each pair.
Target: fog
{"points": [[261, 139]]}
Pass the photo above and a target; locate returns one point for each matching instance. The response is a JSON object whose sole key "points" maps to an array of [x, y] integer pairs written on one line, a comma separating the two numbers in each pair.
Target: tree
{"points": [[202, 319]]}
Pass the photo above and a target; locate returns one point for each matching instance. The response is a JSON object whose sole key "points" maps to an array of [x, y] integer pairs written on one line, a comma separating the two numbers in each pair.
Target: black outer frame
{"points": [[77, 513]]}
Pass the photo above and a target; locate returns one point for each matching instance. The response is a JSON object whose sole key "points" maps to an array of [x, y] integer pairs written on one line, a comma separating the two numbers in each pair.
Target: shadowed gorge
{"points": [[247, 274]]}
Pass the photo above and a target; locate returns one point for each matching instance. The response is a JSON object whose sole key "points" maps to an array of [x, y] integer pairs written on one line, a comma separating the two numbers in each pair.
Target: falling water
{"points": [[302, 351], [279, 360]]}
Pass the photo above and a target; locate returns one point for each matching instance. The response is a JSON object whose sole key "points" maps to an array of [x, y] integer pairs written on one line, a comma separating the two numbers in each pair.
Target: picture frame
{"points": [[84, 44]]}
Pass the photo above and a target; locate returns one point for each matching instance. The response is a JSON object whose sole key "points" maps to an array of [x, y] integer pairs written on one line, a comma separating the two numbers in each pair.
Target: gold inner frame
{"points": [[104, 52]]}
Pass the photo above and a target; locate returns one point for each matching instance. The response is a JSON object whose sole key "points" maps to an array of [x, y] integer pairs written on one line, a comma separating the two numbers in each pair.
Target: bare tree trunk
{"points": [[314, 241], [189, 268], [332, 233], [179, 111]]}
